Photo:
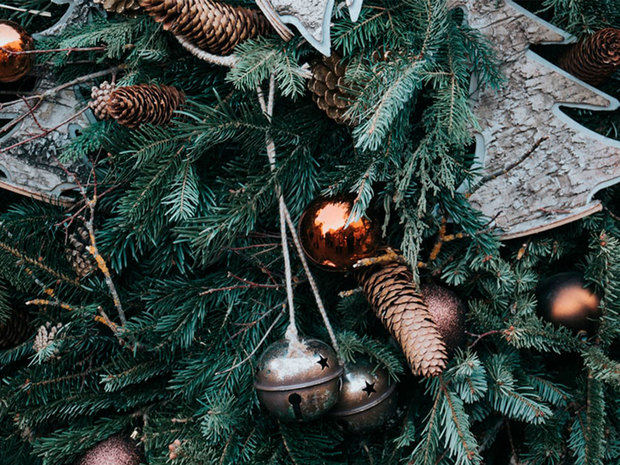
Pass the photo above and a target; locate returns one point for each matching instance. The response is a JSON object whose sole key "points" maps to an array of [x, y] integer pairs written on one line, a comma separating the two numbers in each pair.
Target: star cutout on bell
{"points": [[323, 362], [370, 388]]}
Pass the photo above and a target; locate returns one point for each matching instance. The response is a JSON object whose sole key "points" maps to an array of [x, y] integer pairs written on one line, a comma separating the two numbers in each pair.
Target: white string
{"points": [[228, 61], [291, 333]]}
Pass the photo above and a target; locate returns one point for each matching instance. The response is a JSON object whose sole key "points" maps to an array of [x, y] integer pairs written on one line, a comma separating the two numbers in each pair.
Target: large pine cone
{"points": [[120, 6], [397, 303], [15, 331], [80, 258], [212, 26], [329, 89], [132, 106], [594, 59]]}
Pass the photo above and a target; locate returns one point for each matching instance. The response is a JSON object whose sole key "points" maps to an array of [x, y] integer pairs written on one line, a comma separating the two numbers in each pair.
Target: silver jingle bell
{"points": [[298, 381], [367, 398]]}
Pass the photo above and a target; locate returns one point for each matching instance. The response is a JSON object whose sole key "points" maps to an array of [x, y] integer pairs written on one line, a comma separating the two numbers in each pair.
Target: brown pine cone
{"points": [[80, 258], [595, 58], [329, 89], [212, 26], [132, 106], [119, 6], [398, 304], [14, 331]]}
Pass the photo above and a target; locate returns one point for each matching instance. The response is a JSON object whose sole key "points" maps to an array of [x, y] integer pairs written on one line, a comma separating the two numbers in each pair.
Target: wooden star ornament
{"points": [[539, 168], [312, 18]]}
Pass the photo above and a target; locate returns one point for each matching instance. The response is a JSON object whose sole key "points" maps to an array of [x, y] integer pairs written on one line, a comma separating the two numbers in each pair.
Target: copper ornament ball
{"points": [[327, 239], [448, 313], [298, 381], [116, 450], [14, 38], [564, 299], [367, 397]]}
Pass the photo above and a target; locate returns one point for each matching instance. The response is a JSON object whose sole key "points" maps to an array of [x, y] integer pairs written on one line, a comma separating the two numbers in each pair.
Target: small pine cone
{"points": [[594, 59], [119, 6], [212, 26], [329, 89], [132, 106], [80, 258], [14, 331], [99, 98], [397, 303]]}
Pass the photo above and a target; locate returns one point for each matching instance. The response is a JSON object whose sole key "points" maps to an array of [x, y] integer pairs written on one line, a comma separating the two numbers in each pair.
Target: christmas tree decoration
{"points": [[116, 450], [119, 6], [539, 168], [212, 26], [595, 58], [312, 19], [78, 255], [46, 334], [367, 397], [29, 162], [135, 105], [14, 331], [329, 89], [298, 380], [448, 313], [395, 300], [565, 300], [328, 238], [14, 40]]}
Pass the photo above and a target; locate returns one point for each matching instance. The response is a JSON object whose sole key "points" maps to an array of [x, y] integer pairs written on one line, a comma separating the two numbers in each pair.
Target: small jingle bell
{"points": [[298, 381], [367, 398]]}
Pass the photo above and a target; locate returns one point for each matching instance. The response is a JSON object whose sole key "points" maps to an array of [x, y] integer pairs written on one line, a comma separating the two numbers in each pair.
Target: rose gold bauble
{"points": [[448, 313], [14, 38], [565, 300], [113, 451], [327, 239]]}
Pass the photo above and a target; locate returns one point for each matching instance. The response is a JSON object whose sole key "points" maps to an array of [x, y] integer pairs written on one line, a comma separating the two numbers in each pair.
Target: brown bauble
{"points": [[565, 300], [116, 450], [327, 239], [14, 38], [448, 313]]}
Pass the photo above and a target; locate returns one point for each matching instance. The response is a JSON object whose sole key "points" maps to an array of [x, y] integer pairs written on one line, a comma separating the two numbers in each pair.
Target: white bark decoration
{"points": [[31, 168], [540, 168], [311, 17]]}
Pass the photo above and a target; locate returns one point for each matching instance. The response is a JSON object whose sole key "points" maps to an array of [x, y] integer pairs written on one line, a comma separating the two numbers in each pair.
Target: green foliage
{"points": [[186, 219]]}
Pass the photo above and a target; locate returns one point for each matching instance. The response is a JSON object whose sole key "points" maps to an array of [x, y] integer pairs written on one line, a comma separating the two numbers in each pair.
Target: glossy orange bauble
{"points": [[14, 38], [564, 299], [327, 239]]}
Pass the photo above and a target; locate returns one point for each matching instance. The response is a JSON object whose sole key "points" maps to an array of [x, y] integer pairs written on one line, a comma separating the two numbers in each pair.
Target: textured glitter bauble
{"points": [[113, 451], [448, 313], [14, 39], [565, 300], [367, 397], [327, 239], [298, 381]]}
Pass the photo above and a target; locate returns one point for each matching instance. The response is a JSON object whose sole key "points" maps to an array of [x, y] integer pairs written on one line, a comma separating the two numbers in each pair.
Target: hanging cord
{"points": [[292, 335], [286, 216]]}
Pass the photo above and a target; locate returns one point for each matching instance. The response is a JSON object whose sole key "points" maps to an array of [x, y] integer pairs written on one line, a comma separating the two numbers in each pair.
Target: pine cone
{"points": [[119, 6], [80, 258], [397, 303], [329, 90], [594, 59], [211, 26], [132, 106], [14, 331]]}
